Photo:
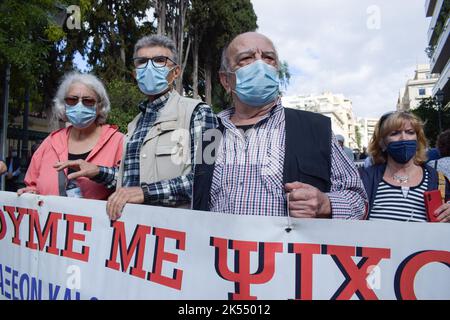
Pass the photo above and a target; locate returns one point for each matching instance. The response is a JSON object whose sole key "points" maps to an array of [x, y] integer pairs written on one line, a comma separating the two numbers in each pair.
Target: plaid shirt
{"points": [[248, 173], [167, 192]]}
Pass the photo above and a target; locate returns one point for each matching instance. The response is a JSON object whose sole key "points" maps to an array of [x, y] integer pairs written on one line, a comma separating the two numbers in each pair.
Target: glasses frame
{"points": [[143, 66], [83, 99]]}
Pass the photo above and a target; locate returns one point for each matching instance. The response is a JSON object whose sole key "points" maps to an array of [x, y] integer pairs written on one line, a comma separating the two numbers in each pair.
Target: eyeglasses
{"points": [[157, 62], [72, 101]]}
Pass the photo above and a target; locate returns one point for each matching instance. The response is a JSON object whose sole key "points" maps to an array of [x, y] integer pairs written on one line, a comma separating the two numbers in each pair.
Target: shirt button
{"points": [[144, 156]]}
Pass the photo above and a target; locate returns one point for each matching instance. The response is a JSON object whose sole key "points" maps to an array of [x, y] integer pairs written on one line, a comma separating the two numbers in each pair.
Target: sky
{"points": [[366, 50]]}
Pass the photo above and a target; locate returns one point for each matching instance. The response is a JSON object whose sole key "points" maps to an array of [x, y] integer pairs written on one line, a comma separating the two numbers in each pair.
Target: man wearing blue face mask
{"points": [[273, 161], [156, 166]]}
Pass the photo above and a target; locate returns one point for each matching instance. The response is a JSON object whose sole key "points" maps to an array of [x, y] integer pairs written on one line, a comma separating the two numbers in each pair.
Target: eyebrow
{"points": [[252, 51], [239, 55], [269, 53]]}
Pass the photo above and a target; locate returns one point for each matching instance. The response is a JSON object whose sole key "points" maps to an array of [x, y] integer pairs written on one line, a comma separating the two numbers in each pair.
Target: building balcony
{"points": [[442, 51], [444, 83], [434, 19], [429, 7]]}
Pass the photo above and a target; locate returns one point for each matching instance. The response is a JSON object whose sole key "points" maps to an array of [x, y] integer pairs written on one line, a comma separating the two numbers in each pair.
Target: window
{"points": [[422, 92]]}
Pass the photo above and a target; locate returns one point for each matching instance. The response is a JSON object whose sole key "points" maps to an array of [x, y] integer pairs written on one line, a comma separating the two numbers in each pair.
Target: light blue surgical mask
{"points": [[81, 116], [151, 80], [257, 84]]}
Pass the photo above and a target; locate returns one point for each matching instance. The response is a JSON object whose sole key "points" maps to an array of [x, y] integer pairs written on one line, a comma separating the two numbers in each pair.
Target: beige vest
{"points": [[166, 150]]}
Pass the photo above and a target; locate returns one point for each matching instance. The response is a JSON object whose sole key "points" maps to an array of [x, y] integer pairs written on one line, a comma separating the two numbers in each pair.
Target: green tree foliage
{"points": [[36, 40], [428, 112], [215, 23], [113, 27], [284, 74], [28, 33], [358, 136], [125, 97]]}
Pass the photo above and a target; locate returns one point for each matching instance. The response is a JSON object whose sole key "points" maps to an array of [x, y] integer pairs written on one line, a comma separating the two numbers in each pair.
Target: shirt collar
{"points": [[156, 104], [226, 115]]}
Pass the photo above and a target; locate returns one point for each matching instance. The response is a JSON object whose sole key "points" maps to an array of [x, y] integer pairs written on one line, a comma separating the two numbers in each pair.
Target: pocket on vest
{"points": [[170, 161]]}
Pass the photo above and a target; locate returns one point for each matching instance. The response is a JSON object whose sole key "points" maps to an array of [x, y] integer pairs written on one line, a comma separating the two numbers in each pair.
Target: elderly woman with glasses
{"points": [[397, 181], [82, 102]]}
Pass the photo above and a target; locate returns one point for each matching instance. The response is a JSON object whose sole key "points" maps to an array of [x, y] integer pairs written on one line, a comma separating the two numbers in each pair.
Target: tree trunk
{"points": [[24, 151], [183, 67], [195, 67], [182, 10], [208, 86], [5, 101], [121, 39], [161, 12]]}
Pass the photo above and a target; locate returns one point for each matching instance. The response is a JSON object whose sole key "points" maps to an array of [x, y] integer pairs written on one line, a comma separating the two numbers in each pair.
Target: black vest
{"points": [[307, 156]]}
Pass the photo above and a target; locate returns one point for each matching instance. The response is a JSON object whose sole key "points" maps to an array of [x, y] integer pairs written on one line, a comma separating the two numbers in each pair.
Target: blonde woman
{"points": [[396, 182]]}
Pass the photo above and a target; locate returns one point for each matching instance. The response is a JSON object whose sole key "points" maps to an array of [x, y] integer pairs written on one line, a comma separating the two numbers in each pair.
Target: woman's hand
{"points": [[82, 168], [26, 190], [443, 212]]}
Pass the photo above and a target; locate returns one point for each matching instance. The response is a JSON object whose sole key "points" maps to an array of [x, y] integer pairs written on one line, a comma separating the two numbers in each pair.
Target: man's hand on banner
{"points": [[82, 168], [122, 196], [306, 201]]}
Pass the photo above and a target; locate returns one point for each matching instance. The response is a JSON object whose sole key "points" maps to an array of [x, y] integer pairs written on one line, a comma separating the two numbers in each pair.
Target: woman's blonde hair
{"points": [[394, 121]]}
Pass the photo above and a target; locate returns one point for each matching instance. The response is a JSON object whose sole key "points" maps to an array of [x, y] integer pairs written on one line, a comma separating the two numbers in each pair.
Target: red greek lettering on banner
{"points": [[160, 256], [356, 274], [16, 221], [3, 226], [304, 268], [136, 248], [50, 228], [241, 275], [408, 269], [72, 236]]}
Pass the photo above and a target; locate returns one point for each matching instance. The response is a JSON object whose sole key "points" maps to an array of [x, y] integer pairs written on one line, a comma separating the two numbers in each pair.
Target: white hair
{"points": [[92, 82]]}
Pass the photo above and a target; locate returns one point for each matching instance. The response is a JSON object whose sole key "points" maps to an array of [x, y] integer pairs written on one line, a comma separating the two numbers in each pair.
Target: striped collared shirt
{"points": [[248, 171], [248, 174]]}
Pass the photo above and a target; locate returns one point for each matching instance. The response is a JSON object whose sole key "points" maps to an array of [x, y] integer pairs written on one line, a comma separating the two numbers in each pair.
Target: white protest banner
{"points": [[68, 249]]}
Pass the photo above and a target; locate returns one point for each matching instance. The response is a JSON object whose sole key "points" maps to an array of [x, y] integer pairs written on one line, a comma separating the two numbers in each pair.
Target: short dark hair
{"points": [[443, 143], [157, 41]]}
